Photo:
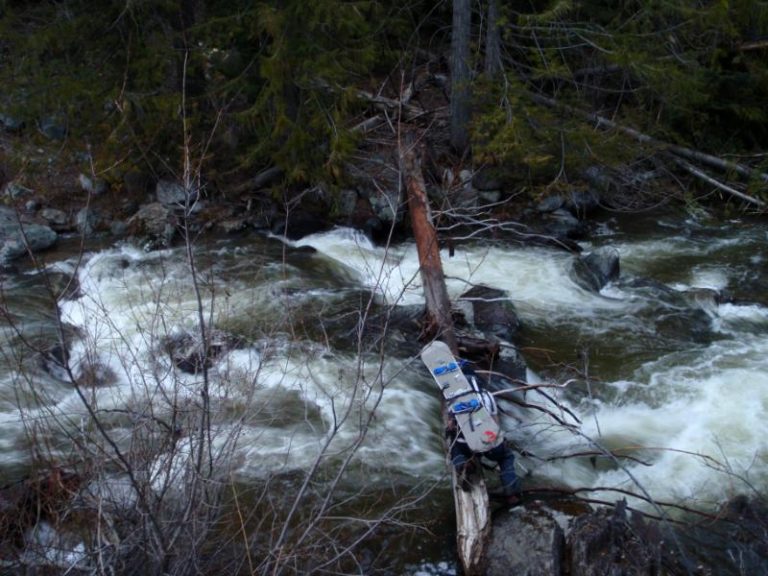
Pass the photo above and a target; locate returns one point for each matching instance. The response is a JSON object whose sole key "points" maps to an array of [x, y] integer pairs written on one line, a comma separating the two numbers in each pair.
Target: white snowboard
{"points": [[479, 428]]}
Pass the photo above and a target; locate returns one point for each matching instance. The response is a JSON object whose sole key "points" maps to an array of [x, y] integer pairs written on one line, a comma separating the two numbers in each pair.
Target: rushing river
{"points": [[660, 371]]}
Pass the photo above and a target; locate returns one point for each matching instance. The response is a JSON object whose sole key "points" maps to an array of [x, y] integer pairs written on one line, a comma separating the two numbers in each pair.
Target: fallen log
{"points": [[473, 519], [674, 149]]}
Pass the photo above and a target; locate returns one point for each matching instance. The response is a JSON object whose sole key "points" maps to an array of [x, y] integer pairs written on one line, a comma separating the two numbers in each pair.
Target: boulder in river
{"points": [[493, 313], [596, 269], [526, 541], [17, 239]]}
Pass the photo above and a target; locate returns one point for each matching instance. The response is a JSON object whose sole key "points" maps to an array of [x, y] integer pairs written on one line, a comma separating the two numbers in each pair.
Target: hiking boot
{"points": [[513, 500], [512, 497]]}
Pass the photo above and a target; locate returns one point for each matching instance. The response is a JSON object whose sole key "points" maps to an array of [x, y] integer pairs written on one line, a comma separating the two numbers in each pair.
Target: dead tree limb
{"points": [[680, 151], [701, 175], [473, 519]]}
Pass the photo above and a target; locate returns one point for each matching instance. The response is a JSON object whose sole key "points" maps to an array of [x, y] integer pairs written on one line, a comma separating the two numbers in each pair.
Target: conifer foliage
{"points": [[280, 81]]}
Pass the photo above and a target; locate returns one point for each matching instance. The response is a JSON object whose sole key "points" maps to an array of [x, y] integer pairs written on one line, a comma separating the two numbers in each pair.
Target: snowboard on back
{"points": [[475, 422]]}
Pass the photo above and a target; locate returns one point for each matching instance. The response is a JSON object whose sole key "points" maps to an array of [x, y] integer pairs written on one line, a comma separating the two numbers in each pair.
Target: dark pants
{"points": [[502, 455]]}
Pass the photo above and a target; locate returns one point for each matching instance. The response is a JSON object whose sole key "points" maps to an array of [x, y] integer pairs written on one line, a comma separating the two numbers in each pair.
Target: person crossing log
{"points": [[473, 519]]}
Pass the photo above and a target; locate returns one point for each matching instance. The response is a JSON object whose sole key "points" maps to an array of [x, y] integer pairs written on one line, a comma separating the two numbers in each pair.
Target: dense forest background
{"points": [[549, 88]]}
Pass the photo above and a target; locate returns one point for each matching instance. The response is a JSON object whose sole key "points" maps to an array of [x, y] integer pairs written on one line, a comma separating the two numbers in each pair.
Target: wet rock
{"points": [[56, 218], [596, 269], [190, 356], [600, 179], [608, 542], [489, 196], [87, 221], [493, 313], [118, 228], [232, 225], [684, 325], [562, 224], [708, 299], [155, 224], [16, 240], [7, 215], [526, 542], [511, 363]]}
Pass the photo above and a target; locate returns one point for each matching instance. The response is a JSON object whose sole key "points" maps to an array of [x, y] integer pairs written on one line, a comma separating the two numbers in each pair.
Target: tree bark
{"points": [[493, 41], [439, 320], [473, 520], [460, 74]]}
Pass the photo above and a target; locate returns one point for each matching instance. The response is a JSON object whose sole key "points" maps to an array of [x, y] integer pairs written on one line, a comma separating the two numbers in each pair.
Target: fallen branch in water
{"points": [[673, 149], [701, 175]]}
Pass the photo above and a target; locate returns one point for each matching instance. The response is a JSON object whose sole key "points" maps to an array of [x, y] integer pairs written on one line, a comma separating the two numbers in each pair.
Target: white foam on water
{"points": [[537, 279], [393, 272], [707, 435]]}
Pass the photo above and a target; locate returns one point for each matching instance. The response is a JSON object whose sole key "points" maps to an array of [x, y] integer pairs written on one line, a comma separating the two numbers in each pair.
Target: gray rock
{"points": [[171, 193], [7, 215], [465, 195], [550, 204], [232, 225], [94, 186], [155, 223], [87, 221], [14, 243], [347, 203], [526, 542], [54, 217], [596, 269], [118, 228], [493, 313], [563, 224], [609, 542], [14, 190], [489, 196]]}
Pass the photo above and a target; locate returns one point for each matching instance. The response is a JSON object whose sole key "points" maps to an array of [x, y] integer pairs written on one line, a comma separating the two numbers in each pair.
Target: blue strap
{"points": [[468, 406], [450, 367]]}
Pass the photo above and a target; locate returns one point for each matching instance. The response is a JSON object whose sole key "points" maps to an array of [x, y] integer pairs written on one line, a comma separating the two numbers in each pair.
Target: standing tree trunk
{"points": [[460, 74], [493, 41], [473, 519]]}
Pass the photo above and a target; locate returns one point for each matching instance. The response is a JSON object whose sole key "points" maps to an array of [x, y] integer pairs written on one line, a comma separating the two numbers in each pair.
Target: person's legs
{"points": [[506, 461], [463, 462]]}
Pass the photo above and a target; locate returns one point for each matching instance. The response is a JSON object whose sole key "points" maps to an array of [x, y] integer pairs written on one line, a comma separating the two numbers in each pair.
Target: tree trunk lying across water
{"points": [[473, 517]]}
